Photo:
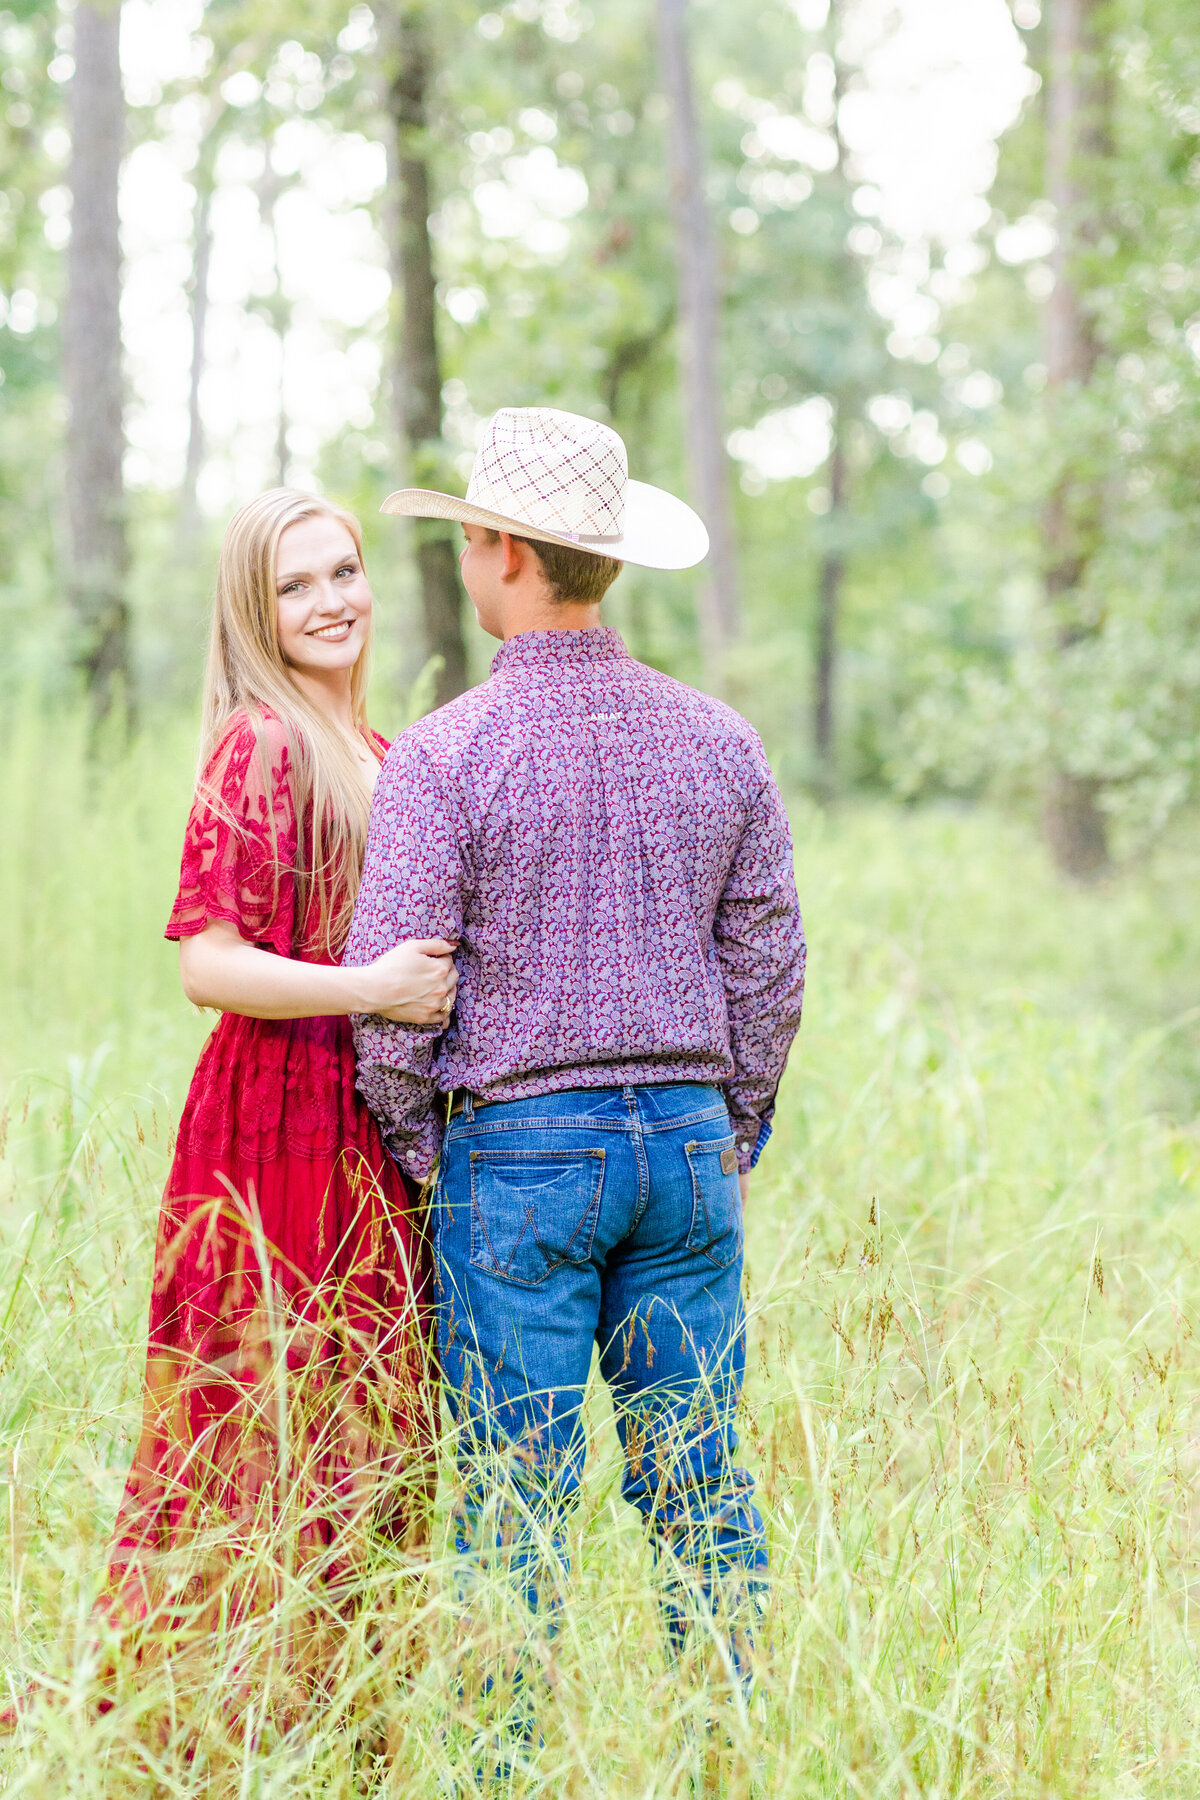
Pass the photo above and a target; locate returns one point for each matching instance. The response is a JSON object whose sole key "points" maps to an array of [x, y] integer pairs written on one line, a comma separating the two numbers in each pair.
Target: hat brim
{"points": [[659, 531]]}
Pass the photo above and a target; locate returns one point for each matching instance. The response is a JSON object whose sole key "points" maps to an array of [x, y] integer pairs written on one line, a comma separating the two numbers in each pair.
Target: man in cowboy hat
{"points": [[610, 850]]}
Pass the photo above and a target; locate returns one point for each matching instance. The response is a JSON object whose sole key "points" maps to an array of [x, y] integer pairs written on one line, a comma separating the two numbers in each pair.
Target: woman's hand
{"points": [[414, 984]]}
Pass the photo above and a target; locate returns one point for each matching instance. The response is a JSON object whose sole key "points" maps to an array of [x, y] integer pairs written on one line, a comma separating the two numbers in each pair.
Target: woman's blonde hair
{"points": [[247, 674]]}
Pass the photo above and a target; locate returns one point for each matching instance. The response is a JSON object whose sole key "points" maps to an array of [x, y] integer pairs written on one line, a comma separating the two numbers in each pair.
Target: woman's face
{"points": [[324, 599]]}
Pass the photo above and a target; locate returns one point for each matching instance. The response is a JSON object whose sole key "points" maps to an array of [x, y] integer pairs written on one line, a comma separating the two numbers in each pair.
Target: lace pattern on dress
{"points": [[239, 850]]}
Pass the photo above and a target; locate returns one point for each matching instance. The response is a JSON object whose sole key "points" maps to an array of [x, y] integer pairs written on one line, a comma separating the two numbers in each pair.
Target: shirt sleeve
{"points": [[413, 883], [759, 938]]}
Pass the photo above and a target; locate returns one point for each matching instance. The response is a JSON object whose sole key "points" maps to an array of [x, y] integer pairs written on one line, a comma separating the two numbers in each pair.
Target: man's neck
{"points": [[537, 614]]}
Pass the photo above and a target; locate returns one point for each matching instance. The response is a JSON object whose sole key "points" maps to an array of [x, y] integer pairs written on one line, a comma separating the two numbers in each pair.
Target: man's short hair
{"points": [[571, 574]]}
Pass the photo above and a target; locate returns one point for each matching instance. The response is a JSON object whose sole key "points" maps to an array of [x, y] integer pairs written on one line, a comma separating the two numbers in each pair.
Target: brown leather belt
{"points": [[459, 1101]]}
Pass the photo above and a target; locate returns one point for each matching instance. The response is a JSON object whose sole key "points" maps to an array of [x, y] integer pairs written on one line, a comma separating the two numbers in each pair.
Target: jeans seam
{"points": [[535, 1155], [677, 1124], [575, 1124], [643, 1168], [462, 1126]]}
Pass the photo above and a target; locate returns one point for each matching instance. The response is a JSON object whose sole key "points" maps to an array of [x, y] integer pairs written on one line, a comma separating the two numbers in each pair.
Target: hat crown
{"points": [[555, 471]]}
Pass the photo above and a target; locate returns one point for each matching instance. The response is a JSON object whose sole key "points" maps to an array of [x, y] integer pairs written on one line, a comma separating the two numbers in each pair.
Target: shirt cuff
{"points": [[750, 1141], [417, 1151]]}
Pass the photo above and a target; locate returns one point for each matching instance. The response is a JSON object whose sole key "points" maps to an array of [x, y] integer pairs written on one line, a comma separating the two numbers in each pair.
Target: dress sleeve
{"points": [[239, 850]]}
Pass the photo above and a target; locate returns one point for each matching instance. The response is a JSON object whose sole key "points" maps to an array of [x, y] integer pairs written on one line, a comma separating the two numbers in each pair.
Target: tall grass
{"points": [[973, 1286]]}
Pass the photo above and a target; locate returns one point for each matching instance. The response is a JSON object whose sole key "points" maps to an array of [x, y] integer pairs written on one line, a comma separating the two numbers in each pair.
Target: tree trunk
{"points": [[833, 561], [95, 493], [699, 341], [280, 314], [829, 606], [1078, 101], [627, 359], [418, 377], [201, 256]]}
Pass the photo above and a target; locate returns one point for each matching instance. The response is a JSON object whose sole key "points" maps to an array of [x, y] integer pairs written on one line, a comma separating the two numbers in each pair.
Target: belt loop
{"points": [[468, 1107]]}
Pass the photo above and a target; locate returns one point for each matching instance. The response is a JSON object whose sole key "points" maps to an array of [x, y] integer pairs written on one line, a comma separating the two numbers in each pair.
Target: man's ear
{"points": [[514, 556]]}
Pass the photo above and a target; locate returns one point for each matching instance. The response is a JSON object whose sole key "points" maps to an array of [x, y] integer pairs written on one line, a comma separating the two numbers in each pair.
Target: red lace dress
{"points": [[288, 1403]]}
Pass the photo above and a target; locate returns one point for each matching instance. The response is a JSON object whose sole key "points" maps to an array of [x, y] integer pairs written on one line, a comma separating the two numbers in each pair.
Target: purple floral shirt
{"points": [[611, 851]]}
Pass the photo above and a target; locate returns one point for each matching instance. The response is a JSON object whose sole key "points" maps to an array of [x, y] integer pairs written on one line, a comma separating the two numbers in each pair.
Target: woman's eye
{"points": [[348, 569]]}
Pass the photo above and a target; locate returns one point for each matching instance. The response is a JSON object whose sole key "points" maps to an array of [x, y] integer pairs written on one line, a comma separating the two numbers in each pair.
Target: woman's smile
{"points": [[336, 633]]}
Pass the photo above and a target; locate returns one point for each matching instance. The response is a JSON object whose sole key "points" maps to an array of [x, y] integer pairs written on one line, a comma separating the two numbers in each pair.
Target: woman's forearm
{"points": [[227, 973]]}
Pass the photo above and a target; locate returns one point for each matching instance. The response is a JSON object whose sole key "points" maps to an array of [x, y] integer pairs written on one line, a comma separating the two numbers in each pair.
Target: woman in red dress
{"points": [[288, 1404]]}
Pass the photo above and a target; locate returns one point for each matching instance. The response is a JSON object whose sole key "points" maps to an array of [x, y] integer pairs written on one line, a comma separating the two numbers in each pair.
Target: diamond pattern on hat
{"points": [[553, 470]]}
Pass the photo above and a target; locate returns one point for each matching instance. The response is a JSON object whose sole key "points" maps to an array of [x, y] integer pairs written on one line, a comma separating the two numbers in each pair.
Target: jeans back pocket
{"points": [[532, 1211], [716, 1201]]}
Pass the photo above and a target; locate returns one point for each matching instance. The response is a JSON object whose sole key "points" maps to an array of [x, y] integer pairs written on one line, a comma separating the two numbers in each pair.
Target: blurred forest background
{"points": [[902, 293]]}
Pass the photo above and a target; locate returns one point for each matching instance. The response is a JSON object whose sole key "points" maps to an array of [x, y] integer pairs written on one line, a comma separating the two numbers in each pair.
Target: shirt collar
{"points": [[538, 649]]}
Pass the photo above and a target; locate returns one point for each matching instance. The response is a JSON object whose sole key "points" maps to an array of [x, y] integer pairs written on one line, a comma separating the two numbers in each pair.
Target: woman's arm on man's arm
{"points": [[410, 983]]}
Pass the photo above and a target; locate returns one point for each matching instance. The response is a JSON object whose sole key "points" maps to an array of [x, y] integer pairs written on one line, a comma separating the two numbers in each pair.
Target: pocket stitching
{"points": [[589, 1216], [712, 1146]]}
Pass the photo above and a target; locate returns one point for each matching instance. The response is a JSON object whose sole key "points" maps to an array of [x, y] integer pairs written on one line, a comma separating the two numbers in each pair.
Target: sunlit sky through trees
{"points": [[941, 80]]}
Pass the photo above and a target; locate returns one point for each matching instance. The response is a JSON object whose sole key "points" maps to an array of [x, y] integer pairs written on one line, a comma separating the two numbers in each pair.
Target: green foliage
{"points": [[971, 1245], [32, 153], [589, 328], [943, 683], [1121, 705]]}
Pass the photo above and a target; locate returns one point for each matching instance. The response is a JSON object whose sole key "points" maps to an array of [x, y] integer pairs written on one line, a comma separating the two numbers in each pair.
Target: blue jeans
{"points": [[609, 1215]]}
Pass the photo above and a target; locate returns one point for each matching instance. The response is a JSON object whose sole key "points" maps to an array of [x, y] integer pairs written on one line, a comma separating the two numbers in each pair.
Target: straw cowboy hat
{"points": [[564, 479]]}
